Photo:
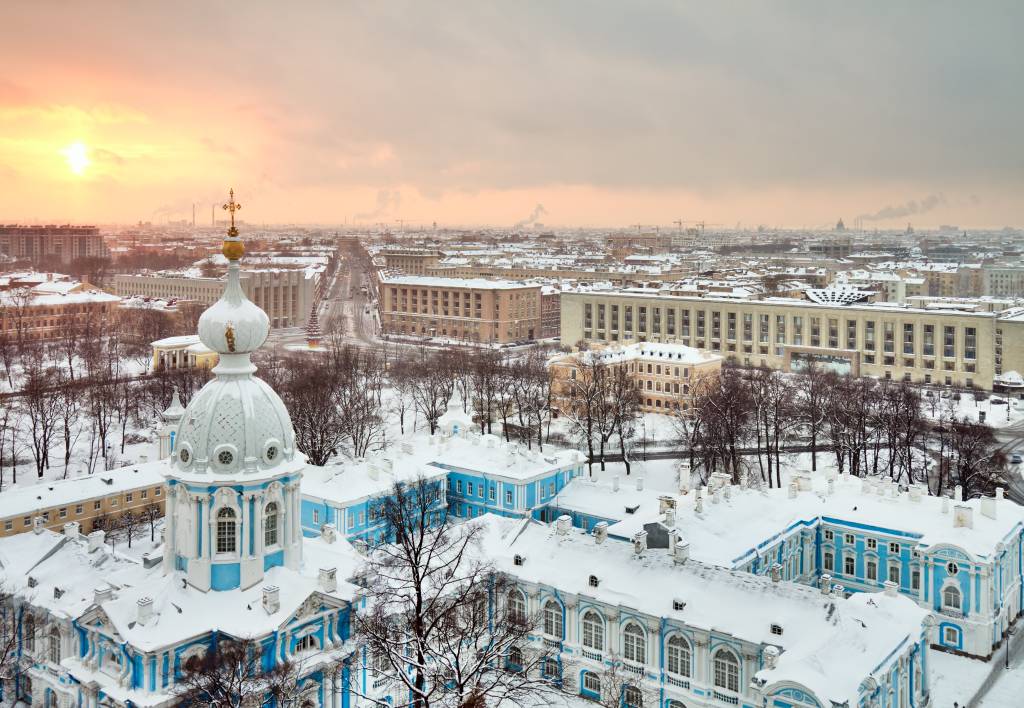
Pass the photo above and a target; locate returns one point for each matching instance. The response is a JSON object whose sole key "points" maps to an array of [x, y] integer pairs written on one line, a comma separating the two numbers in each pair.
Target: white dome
{"points": [[236, 425], [234, 324]]}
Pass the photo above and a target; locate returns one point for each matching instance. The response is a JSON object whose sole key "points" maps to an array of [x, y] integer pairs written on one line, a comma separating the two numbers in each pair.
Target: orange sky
{"points": [[475, 114]]}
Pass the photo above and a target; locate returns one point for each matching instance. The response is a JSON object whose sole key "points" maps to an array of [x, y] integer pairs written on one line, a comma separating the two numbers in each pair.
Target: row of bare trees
{"points": [[869, 427]]}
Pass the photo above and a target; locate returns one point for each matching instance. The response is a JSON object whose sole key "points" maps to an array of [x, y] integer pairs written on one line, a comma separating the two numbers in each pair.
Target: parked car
{"points": [[1016, 458]]}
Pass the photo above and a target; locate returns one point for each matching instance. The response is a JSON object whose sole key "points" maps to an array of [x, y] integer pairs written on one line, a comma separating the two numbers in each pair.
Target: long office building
{"points": [[285, 294], [953, 347]]}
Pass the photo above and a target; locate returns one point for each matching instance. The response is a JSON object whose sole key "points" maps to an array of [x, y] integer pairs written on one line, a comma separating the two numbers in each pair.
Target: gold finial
{"points": [[232, 249]]}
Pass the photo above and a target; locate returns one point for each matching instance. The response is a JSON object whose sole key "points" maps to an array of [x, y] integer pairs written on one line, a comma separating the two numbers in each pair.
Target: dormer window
{"points": [[678, 605], [518, 559], [594, 582], [777, 629]]}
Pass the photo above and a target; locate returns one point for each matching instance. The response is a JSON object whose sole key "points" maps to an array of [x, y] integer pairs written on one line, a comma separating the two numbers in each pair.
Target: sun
{"points": [[77, 156]]}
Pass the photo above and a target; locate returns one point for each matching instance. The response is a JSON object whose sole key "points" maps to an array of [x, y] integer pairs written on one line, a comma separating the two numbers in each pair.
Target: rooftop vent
{"points": [[678, 605], [777, 629], [518, 559], [593, 581]]}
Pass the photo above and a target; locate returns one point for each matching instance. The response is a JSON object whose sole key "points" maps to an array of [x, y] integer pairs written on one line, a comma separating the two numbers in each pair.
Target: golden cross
{"points": [[232, 206]]}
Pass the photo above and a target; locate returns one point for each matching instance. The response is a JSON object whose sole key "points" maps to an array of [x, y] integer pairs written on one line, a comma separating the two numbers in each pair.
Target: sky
{"points": [[585, 113]]}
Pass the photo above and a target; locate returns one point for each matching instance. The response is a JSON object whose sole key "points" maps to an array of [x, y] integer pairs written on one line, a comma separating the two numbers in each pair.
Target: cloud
{"points": [[901, 211], [388, 202]]}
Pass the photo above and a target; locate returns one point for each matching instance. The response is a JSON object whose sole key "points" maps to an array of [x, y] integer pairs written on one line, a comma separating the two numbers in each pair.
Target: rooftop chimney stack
{"points": [[615, 483], [958, 494], [96, 539], [639, 484], [776, 572], [144, 610], [72, 530], [825, 583], [600, 532], [891, 589], [988, 507], [271, 599], [680, 549], [640, 543], [37, 525], [963, 517], [328, 579], [101, 595], [562, 524]]}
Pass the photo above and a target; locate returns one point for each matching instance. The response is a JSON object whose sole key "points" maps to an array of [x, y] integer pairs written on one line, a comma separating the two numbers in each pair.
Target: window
{"points": [[553, 619], [63, 512], [549, 669], [27, 521], [727, 671], [53, 648], [157, 492], [894, 574], [508, 496], [592, 683], [678, 656], [951, 635], [491, 493], [894, 548], [915, 579], [226, 531], [871, 570], [872, 544], [307, 643], [316, 517], [144, 494], [951, 598], [632, 697], [458, 486], [469, 488], [829, 535], [828, 562], [593, 631], [128, 498], [8, 525], [28, 631], [634, 643], [952, 568], [848, 539], [517, 606], [776, 629], [270, 525], [849, 565]]}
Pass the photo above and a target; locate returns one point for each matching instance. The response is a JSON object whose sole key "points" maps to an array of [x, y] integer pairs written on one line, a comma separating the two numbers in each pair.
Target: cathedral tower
{"points": [[233, 478]]}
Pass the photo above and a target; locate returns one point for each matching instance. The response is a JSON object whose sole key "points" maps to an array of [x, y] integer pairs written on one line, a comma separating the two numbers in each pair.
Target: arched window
{"points": [[678, 656], [553, 619], [53, 649], [951, 598], [634, 644], [727, 670], [226, 531], [270, 525], [592, 683], [632, 697], [28, 632], [516, 606], [550, 669], [306, 643], [593, 631]]}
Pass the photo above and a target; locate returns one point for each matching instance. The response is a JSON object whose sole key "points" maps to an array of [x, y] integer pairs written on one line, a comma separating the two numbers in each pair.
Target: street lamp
{"points": [[1009, 636]]}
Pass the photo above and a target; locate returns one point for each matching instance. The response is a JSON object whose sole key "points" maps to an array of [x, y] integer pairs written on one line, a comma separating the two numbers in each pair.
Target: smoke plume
{"points": [[537, 212], [911, 208]]}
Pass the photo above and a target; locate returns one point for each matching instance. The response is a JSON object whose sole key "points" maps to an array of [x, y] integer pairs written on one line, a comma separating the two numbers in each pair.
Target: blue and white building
{"points": [[684, 633], [961, 560], [95, 628]]}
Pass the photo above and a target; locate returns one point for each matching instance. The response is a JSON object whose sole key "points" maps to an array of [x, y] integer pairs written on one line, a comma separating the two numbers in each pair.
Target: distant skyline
{"points": [[599, 113]]}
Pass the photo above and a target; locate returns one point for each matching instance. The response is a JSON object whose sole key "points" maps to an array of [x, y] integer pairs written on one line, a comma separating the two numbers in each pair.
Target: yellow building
{"points": [[183, 352], [664, 373], [934, 346]]}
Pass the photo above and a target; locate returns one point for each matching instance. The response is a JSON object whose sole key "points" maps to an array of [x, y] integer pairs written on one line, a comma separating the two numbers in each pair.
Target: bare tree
{"points": [[624, 407], [584, 396], [130, 526], [436, 621], [618, 688], [432, 386], [974, 459], [233, 673], [810, 405], [10, 639], [313, 400], [150, 515], [40, 404]]}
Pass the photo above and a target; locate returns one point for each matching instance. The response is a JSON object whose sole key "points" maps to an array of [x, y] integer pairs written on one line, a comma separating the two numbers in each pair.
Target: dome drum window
{"points": [[224, 457], [185, 454], [272, 452]]}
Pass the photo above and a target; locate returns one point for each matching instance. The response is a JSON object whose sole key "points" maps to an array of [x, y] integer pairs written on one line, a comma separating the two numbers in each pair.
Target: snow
{"points": [[30, 495], [653, 351], [830, 644], [500, 460], [450, 283], [957, 678]]}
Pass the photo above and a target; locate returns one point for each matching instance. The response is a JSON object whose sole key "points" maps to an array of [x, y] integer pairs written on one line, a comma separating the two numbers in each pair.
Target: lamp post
{"points": [[1009, 637]]}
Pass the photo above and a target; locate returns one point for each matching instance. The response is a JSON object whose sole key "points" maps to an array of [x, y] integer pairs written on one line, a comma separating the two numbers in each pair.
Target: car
{"points": [[998, 402], [1016, 458]]}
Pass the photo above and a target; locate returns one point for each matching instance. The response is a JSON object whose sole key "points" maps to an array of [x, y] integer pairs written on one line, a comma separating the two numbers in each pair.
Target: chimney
{"points": [[562, 524], [999, 493], [716, 496], [144, 612], [698, 505], [670, 517], [639, 484], [963, 517], [771, 657], [615, 483], [958, 493], [600, 532], [825, 583], [776, 572], [329, 579], [837, 591], [727, 491], [665, 502], [328, 533], [71, 530], [96, 539], [271, 599], [640, 542], [945, 505], [865, 485], [891, 588], [37, 525], [680, 549], [101, 595], [150, 561], [988, 507], [792, 490], [831, 486], [915, 493]]}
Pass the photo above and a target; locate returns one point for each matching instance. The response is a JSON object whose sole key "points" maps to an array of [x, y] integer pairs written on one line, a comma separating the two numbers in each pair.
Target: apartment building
{"points": [[64, 243], [82, 499], [44, 310], [550, 312], [664, 373], [286, 295], [474, 310], [1003, 280], [933, 346]]}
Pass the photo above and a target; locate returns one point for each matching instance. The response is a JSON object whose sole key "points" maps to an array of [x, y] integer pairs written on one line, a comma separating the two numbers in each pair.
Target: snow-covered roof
{"points": [[24, 499], [182, 341], [828, 644], [354, 482], [469, 283], [654, 351], [489, 455], [729, 532]]}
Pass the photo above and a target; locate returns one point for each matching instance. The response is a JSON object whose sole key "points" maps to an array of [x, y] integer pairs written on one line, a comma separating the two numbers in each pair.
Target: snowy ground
{"points": [[957, 679]]}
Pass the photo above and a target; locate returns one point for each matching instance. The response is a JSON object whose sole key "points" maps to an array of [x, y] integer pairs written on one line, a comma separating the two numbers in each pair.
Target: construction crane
{"points": [[679, 225]]}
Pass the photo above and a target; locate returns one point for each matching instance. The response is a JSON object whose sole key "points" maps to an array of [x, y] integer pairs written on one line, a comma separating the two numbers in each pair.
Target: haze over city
{"points": [[782, 114]]}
